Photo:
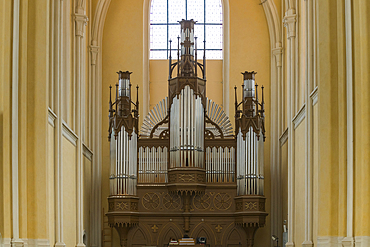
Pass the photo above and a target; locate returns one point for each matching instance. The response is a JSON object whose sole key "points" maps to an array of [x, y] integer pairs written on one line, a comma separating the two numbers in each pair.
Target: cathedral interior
{"points": [[219, 123]]}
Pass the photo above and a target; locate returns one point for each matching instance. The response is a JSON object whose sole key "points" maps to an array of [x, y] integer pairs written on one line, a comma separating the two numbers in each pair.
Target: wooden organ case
{"points": [[186, 172]]}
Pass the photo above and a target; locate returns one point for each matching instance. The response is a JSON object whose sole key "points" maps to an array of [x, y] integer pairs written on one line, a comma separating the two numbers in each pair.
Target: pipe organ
{"points": [[186, 164]]}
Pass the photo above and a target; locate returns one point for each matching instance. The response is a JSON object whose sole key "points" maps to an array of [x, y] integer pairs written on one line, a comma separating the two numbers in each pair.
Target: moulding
{"points": [[284, 137], [60, 244], [298, 118], [348, 242], [307, 244], [315, 95], [87, 152], [38, 242], [69, 134], [6, 242], [329, 241], [362, 241], [51, 117]]}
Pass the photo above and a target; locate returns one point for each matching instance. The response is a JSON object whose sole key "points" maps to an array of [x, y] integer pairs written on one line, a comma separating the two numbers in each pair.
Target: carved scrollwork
{"points": [[208, 134], [239, 206], [122, 206], [134, 206], [186, 178], [202, 202], [200, 178], [165, 134], [262, 206], [172, 201], [222, 201], [250, 206], [172, 178], [150, 200]]}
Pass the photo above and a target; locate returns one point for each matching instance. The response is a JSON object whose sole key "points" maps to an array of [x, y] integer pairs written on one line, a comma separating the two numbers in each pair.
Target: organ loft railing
{"points": [[186, 143]]}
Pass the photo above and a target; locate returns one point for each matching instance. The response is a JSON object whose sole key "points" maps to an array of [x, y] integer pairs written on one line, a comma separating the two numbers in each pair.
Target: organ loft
{"points": [[186, 177]]}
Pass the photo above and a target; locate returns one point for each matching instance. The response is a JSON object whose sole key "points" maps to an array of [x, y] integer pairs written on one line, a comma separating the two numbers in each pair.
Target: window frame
{"points": [[167, 24]]}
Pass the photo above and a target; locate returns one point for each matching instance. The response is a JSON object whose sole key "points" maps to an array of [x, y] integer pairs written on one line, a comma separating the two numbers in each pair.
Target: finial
{"points": [[110, 94]]}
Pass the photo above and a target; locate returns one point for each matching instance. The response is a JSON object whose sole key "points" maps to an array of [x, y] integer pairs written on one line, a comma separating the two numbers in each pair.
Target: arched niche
{"points": [[168, 232], [138, 237], [234, 236], [204, 230]]}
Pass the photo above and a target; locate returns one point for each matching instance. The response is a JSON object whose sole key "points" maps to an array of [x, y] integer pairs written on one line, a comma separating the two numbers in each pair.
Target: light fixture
{"points": [[276, 239]]}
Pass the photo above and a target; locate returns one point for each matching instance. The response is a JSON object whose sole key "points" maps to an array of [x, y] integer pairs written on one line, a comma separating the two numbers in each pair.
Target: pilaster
{"points": [[80, 23], [289, 21]]}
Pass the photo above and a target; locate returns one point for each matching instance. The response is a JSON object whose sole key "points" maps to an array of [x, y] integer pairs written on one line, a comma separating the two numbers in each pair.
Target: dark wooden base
{"points": [[157, 215]]}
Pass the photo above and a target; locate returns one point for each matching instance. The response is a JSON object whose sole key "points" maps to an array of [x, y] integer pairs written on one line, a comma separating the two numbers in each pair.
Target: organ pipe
{"points": [[187, 130], [249, 127], [123, 172]]}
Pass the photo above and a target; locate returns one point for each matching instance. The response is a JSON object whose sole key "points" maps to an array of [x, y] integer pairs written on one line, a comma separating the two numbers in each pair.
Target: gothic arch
{"points": [[168, 230], [233, 235], [207, 230], [137, 234]]}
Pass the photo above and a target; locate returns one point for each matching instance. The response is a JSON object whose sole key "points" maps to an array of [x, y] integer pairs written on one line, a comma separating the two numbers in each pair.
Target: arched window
{"points": [[164, 26]]}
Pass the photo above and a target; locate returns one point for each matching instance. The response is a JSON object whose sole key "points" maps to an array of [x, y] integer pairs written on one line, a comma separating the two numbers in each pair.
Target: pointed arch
{"points": [[168, 230], [139, 235], [234, 235], [204, 228]]}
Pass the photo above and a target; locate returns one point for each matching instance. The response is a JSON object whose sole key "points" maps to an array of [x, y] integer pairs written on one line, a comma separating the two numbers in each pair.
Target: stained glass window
{"points": [[164, 26]]}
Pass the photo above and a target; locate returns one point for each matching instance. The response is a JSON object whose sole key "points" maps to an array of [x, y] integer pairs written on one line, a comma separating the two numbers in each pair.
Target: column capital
{"points": [[81, 22], [289, 21], [94, 53], [277, 52]]}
